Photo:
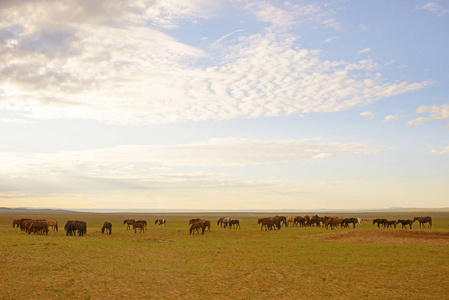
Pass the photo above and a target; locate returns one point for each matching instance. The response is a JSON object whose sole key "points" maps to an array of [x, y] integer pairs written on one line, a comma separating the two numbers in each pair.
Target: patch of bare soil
{"points": [[388, 236]]}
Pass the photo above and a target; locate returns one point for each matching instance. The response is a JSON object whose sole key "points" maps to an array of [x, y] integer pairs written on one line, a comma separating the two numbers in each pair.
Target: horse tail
{"points": [[56, 226], [430, 222]]}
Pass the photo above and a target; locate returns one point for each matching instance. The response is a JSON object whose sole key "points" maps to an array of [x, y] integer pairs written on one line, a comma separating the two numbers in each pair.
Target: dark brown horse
{"points": [[423, 220], [266, 222], [345, 223], [234, 224], [143, 222], [379, 222], [405, 223], [108, 227], [141, 226], [38, 227], [299, 220], [391, 223]]}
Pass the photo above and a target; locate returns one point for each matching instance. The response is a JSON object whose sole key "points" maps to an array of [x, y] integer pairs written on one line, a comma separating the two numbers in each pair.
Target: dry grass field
{"points": [[246, 263]]}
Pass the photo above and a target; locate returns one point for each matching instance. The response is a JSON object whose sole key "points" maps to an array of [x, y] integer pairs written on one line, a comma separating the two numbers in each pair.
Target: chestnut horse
{"points": [[139, 225]]}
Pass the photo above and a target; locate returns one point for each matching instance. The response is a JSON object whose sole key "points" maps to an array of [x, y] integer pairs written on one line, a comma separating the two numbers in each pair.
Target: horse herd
{"points": [[389, 224], [333, 222], [76, 227]]}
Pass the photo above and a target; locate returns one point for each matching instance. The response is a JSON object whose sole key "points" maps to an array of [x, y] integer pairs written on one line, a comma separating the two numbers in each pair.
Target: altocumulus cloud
{"points": [[102, 62]]}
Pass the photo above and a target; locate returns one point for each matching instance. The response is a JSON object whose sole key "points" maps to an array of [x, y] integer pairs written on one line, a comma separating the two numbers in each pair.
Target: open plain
{"points": [[247, 263]]}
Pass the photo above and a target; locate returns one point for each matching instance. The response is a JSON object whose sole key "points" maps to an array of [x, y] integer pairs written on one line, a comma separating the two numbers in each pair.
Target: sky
{"points": [[210, 104]]}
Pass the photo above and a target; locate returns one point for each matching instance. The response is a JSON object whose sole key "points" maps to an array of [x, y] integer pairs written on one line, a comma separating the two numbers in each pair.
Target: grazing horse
{"points": [[314, 220], [16, 222], [405, 223], [161, 222], [234, 224], [333, 222], [38, 226], [299, 220], [71, 227], [220, 222], [359, 221], [129, 223], [226, 222], [391, 223], [141, 226], [53, 224], [108, 227], [197, 225], [379, 222], [290, 220], [423, 220], [266, 222]]}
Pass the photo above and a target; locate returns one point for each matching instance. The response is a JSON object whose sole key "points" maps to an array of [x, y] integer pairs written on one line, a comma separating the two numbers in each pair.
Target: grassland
{"points": [[297, 263]]}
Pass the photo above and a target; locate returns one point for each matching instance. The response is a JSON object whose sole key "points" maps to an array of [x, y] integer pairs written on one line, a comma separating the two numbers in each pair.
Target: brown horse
{"points": [[53, 224], [191, 221], [108, 227], [423, 220], [141, 226], [405, 223], [234, 224], [299, 220], [39, 227], [268, 223], [379, 222], [16, 222], [333, 222], [391, 223], [345, 223], [197, 225], [129, 223]]}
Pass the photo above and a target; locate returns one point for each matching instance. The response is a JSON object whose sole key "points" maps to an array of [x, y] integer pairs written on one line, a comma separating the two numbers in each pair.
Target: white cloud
{"points": [[444, 150], [394, 117], [434, 8], [101, 62], [329, 39], [213, 152], [368, 114], [365, 50], [437, 112]]}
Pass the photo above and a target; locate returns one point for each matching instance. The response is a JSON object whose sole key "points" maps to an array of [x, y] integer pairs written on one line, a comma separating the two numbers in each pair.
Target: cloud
{"points": [[434, 8], [444, 150], [437, 112], [365, 50], [329, 39], [368, 114], [288, 14], [102, 62], [394, 117], [134, 159]]}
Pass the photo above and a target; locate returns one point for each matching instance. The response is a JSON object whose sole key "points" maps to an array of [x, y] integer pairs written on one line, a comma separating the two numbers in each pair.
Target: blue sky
{"points": [[224, 104]]}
